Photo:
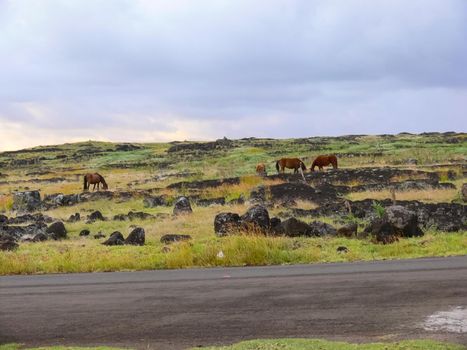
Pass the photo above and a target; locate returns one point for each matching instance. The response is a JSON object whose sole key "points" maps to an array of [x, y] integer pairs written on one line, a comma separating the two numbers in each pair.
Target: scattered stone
{"points": [[396, 222], [293, 227], [182, 206], [84, 232], [258, 195], [57, 230], [211, 201], [35, 218], [136, 237], [127, 147], [116, 238], [40, 237], [226, 223], [99, 235], [256, 216], [60, 199], [342, 249], [170, 238], [274, 222], [74, 217], [139, 215], [151, 202], [26, 201], [165, 250], [3, 219], [349, 230], [8, 244], [320, 229], [96, 216]]}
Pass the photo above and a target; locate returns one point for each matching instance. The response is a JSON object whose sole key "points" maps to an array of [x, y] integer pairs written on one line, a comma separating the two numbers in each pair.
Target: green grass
{"points": [[310, 344], [289, 344], [88, 255], [142, 166]]}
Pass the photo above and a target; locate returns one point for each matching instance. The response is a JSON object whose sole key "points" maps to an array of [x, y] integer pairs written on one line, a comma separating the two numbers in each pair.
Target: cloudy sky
{"points": [[141, 70]]}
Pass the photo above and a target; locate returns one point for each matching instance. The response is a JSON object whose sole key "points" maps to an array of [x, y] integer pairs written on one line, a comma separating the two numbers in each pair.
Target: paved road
{"points": [[181, 308]]}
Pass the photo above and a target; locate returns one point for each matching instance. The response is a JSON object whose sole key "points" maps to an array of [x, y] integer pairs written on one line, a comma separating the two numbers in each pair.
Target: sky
{"points": [[150, 71]]}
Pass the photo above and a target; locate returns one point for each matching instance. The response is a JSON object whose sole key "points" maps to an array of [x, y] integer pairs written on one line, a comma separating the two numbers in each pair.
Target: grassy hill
{"points": [[136, 171]]}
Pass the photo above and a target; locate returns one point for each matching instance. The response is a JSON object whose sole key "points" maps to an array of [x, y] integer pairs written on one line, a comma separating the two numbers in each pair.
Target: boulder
{"points": [[36, 218], [84, 232], [170, 238], [3, 219], [156, 201], [60, 199], [404, 220], [40, 237], [74, 218], [274, 222], [182, 206], [320, 229], [225, 223], [136, 237], [57, 230], [116, 238], [211, 201], [8, 244], [396, 222], [256, 216], [293, 227], [26, 201], [342, 249], [96, 216], [138, 215], [258, 195], [349, 230]]}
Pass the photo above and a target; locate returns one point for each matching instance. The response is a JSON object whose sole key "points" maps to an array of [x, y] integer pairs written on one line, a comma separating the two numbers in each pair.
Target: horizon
{"points": [[152, 71], [233, 139]]}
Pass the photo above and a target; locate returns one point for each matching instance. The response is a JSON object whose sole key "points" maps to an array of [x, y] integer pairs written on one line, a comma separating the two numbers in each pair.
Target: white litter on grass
{"points": [[454, 320], [220, 255]]}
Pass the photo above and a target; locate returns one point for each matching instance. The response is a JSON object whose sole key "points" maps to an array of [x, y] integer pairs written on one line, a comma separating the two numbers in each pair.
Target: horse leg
{"points": [[94, 187]]}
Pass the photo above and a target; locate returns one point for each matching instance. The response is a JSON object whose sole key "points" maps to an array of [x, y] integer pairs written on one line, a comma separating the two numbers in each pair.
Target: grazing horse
{"points": [[322, 161], [291, 163], [94, 179], [261, 169]]}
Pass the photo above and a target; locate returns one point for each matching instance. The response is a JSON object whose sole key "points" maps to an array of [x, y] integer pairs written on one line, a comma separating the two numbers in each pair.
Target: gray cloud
{"points": [[153, 70]]}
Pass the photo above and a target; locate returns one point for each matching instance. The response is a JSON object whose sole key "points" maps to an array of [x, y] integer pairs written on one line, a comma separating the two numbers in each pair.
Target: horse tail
{"points": [[277, 166], [302, 165], [335, 162], [312, 168], [85, 184]]}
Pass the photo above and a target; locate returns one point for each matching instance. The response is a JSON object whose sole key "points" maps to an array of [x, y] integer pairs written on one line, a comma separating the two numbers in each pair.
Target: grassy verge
{"points": [[309, 344], [88, 255], [293, 344]]}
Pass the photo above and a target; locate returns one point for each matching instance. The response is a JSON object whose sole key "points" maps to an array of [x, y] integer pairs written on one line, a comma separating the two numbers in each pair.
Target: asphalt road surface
{"points": [[177, 309]]}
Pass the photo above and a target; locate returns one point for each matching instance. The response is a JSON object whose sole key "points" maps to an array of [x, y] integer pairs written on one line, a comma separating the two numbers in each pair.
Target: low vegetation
{"points": [[288, 344], [308, 344], [153, 167]]}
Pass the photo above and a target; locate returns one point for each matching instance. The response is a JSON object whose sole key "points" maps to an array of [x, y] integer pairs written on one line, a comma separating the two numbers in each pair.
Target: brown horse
{"points": [[322, 161], [94, 179], [291, 163], [261, 169]]}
